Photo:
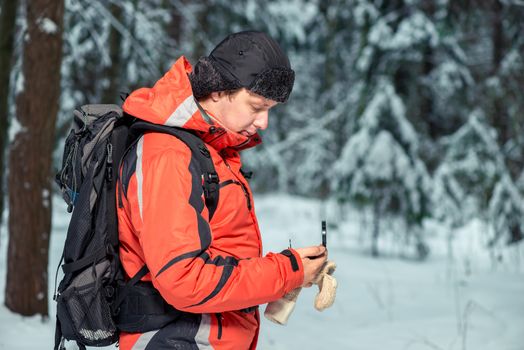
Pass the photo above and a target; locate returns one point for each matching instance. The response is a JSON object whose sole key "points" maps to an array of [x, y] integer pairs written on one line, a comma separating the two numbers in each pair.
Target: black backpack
{"points": [[94, 302]]}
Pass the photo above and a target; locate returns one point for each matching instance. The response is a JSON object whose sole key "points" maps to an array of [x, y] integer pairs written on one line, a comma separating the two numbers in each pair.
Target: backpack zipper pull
{"points": [[109, 167]]}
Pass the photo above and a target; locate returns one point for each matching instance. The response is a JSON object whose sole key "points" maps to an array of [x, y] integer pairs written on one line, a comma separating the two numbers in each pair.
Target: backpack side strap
{"points": [[139, 307], [85, 261], [125, 290]]}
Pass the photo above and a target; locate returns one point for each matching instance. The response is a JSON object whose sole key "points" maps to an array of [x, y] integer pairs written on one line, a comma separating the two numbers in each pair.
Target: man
{"points": [[210, 267]]}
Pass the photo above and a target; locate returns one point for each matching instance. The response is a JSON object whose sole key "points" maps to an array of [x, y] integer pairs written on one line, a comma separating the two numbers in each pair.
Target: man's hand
{"points": [[313, 259]]}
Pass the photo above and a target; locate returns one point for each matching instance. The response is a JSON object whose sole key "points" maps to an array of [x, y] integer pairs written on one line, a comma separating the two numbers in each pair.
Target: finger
{"points": [[311, 251], [316, 250], [319, 258]]}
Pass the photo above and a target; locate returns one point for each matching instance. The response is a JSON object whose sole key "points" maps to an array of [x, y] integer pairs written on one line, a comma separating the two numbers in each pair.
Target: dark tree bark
{"points": [[7, 31], [199, 47], [30, 160], [113, 72], [176, 26]]}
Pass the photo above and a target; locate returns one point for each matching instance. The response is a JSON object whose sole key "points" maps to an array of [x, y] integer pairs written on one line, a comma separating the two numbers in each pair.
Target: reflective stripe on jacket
{"points": [[212, 269]]}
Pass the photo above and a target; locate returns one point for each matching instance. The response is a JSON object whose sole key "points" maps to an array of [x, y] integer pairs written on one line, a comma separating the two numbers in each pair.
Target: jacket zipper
{"points": [[219, 322]]}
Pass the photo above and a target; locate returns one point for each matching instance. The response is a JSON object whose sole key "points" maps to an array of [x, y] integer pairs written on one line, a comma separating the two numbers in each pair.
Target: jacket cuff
{"points": [[295, 271]]}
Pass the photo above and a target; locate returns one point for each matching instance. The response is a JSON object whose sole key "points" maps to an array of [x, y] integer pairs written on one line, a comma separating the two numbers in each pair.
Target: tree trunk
{"points": [[113, 73], [30, 160], [202, 18], [7, 31], [434, 123], [175, 29], [376, 228]]}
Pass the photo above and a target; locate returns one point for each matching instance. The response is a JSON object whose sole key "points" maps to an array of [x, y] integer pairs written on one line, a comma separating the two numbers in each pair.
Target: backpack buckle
{"points": [[204, 151], [211, 178]]}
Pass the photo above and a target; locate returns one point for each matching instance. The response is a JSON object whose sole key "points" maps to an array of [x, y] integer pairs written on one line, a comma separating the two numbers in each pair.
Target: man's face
{"points": [[243, 112]]}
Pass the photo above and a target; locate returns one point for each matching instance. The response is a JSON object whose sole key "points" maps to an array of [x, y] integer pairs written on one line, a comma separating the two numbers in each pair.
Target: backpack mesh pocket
{"points": [[84, 311]]}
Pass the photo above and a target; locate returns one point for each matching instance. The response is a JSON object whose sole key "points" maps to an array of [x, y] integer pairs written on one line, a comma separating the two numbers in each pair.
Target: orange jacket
{"points": [[211, 269]]}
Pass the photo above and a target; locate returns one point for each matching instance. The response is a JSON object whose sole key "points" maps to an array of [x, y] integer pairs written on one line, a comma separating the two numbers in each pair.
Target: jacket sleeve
{"points": [[176, 239]]}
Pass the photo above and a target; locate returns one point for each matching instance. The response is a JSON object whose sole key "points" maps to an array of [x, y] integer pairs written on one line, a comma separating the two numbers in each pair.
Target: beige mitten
{"points": [[279, 310], [327, 287]]}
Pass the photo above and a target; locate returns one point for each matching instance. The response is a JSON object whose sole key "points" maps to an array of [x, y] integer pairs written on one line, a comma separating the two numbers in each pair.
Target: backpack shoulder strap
{"points": [[198, 150]]}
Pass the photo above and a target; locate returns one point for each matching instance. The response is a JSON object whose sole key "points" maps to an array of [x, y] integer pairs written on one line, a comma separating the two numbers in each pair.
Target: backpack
{"points": [[94, 301]]}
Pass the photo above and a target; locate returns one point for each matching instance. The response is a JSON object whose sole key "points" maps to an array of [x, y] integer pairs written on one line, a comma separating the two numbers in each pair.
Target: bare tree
{"points": [[30, 160], [7, 31]]}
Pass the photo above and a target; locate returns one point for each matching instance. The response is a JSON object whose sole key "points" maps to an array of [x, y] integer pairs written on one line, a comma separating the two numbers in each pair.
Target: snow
{"points": [[512, 62], [15, 128], [450, 77], [413, 30], [364, 10], [380, 33], [463, 300], [382, 154], [45, 198], [385, 105], [20, 84], [46, 25], [294, 15], [364, 60]]}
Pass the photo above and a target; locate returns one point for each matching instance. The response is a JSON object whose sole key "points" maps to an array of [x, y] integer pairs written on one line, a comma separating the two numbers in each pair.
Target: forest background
{"points": [[405, 111]]}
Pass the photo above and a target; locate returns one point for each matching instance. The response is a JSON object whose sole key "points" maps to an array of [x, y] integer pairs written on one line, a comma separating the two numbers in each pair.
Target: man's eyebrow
{"points": [[259, 103]]}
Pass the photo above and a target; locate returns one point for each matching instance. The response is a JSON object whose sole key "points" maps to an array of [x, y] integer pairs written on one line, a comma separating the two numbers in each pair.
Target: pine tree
{"points": [[472, 166], [379, 167], [506, 212]]}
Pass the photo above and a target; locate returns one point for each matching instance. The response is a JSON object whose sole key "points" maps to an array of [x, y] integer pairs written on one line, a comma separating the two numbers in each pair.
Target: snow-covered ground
{"points": [[474, 301]]}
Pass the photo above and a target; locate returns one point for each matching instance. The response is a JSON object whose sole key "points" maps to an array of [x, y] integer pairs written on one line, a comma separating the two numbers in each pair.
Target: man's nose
{"points": [[262, 120]]}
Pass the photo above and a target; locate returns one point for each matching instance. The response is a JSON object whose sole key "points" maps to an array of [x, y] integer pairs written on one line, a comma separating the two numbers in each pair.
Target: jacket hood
{"points": [[170, 102]]}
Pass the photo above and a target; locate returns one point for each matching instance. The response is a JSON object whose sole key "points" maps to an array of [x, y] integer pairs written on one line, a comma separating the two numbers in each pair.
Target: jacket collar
{"points": [[170, 102]]}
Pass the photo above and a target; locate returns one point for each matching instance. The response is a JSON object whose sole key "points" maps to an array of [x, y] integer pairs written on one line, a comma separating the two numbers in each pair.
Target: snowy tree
{"points": [[379, 167], [520, 182], [506, 212], [112, 47], [487, 44], [100, 34], [473, 181], [447, 198], [471, 167], [391, 62], [505, 102]]}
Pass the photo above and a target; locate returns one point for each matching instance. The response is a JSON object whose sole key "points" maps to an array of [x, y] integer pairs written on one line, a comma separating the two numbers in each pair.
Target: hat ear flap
{"points": [[275, 84], [206, 78]]}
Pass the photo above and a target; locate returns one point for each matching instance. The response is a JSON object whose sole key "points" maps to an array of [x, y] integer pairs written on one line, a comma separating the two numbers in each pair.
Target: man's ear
{"points": [[215, 96]]}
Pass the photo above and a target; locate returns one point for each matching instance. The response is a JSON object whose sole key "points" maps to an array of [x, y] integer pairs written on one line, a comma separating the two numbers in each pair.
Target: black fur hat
{"points": [[250, 59]]}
